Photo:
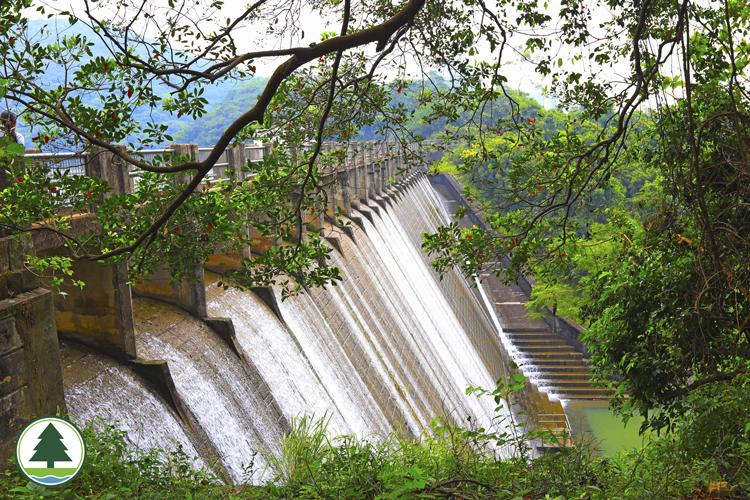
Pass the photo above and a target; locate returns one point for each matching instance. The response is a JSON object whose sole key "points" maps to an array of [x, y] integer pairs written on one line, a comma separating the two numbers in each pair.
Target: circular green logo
{"points": [[50, 451]]}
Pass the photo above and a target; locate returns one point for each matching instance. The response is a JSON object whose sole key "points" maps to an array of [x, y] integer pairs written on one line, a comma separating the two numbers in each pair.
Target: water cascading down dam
{"points": [[389, 349]]}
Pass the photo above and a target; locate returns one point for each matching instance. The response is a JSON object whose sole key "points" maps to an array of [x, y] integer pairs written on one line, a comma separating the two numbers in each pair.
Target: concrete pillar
{"points": [[344, 200], [101, 314], [360, 166], [372, 179], [189, 150], [387, 161], [329, 182], [113, 169], [383, 164], [401, 161], [333, 189], [236, 158], [353, 178], [297, 230], [393, 161], [377, 164]]}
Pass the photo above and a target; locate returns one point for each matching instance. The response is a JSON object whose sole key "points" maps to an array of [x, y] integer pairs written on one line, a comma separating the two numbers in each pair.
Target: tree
{"points": [[50, 448], [335, 86], [667, 302], [327, 89]]}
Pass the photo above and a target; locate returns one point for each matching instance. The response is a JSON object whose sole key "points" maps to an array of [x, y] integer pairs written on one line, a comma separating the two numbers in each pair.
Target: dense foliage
{"points": [[631, 207], [445, 462]]}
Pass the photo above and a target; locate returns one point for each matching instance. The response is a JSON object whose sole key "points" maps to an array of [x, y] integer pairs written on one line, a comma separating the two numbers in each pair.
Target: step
{"points": [[546, 378], [565, 393], [547, 348], [552, 417], [524, 330], [566, 352], [553, 368], [555, 358], [565, 383], [539, 342], [533, 336]]}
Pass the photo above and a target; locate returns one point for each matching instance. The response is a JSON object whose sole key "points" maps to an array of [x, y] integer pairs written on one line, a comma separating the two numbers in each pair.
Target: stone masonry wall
{"points": [[30, 375]]}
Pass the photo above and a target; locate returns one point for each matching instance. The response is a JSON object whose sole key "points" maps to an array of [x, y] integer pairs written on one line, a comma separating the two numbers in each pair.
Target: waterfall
{"points": [[390, 348], [440, 331], [97, 386], [276, 353], [227, 403]]}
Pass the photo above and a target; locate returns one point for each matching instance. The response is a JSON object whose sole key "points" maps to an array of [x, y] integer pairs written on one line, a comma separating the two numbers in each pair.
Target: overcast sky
{"points": [[521, 75]]}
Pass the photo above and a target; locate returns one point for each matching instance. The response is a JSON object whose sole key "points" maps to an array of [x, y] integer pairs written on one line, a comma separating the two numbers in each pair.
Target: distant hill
{"points": [[227, 100], [54, 75], [206, 130]]}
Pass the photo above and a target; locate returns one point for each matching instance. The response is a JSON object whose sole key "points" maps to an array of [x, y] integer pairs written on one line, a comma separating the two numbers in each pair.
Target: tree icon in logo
{"points": [[50, 448], [54, 442]]}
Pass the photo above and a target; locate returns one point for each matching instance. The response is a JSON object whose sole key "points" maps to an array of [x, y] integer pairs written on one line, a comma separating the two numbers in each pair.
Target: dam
{"points": [[222, 374]]}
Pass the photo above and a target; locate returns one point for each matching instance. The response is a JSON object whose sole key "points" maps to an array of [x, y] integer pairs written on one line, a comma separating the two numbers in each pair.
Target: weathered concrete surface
{"points": [[111, 168], [100, 315], [30, 376], [223, 262], [187, 295]]}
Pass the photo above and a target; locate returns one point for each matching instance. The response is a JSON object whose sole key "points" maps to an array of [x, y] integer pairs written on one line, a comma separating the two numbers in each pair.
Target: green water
{"points": [[594, 422]]}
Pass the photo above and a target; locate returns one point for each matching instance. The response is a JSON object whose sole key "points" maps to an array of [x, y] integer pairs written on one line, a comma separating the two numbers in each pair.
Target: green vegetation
{"points": [[55, 73], [444, 462], [206, 130], [631, 209]]}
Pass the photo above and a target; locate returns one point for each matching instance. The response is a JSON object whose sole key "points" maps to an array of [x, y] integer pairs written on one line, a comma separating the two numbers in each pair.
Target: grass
{"points": [[444, 462]]}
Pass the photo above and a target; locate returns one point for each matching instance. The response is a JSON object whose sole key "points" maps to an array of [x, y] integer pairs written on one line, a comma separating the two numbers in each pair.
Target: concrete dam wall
{"points": [[223, 373], [390, 348]]}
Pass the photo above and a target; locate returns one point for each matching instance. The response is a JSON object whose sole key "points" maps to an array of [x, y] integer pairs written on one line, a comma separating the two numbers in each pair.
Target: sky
{"points": [[310, 23], [521, 74]]}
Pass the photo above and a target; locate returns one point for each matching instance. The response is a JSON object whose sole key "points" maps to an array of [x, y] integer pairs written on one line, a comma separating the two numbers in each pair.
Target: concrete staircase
{"points": [[558, 368], [555, 367]]}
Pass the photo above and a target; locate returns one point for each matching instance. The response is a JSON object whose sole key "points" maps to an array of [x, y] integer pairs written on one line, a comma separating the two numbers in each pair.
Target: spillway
{"points": [[389, 349], [98, 387]]}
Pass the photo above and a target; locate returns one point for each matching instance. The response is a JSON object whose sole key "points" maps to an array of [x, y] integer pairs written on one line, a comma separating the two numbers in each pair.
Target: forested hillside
{"points": [[61, 33], [205, 130], [413, 98]]}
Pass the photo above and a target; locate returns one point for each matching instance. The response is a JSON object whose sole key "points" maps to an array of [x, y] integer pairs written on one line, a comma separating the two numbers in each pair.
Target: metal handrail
{"points": [[60, 161]]}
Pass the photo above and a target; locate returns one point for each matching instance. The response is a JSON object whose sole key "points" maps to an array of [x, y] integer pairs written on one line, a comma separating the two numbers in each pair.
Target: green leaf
{"points": [[17, 149]]}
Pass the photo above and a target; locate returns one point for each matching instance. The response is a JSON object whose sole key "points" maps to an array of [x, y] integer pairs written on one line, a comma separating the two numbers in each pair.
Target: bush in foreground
{"points": [[445, 462]]}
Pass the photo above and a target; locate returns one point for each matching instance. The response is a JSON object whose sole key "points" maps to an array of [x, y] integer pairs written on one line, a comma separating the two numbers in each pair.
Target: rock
{"points": [[718, 489]]}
